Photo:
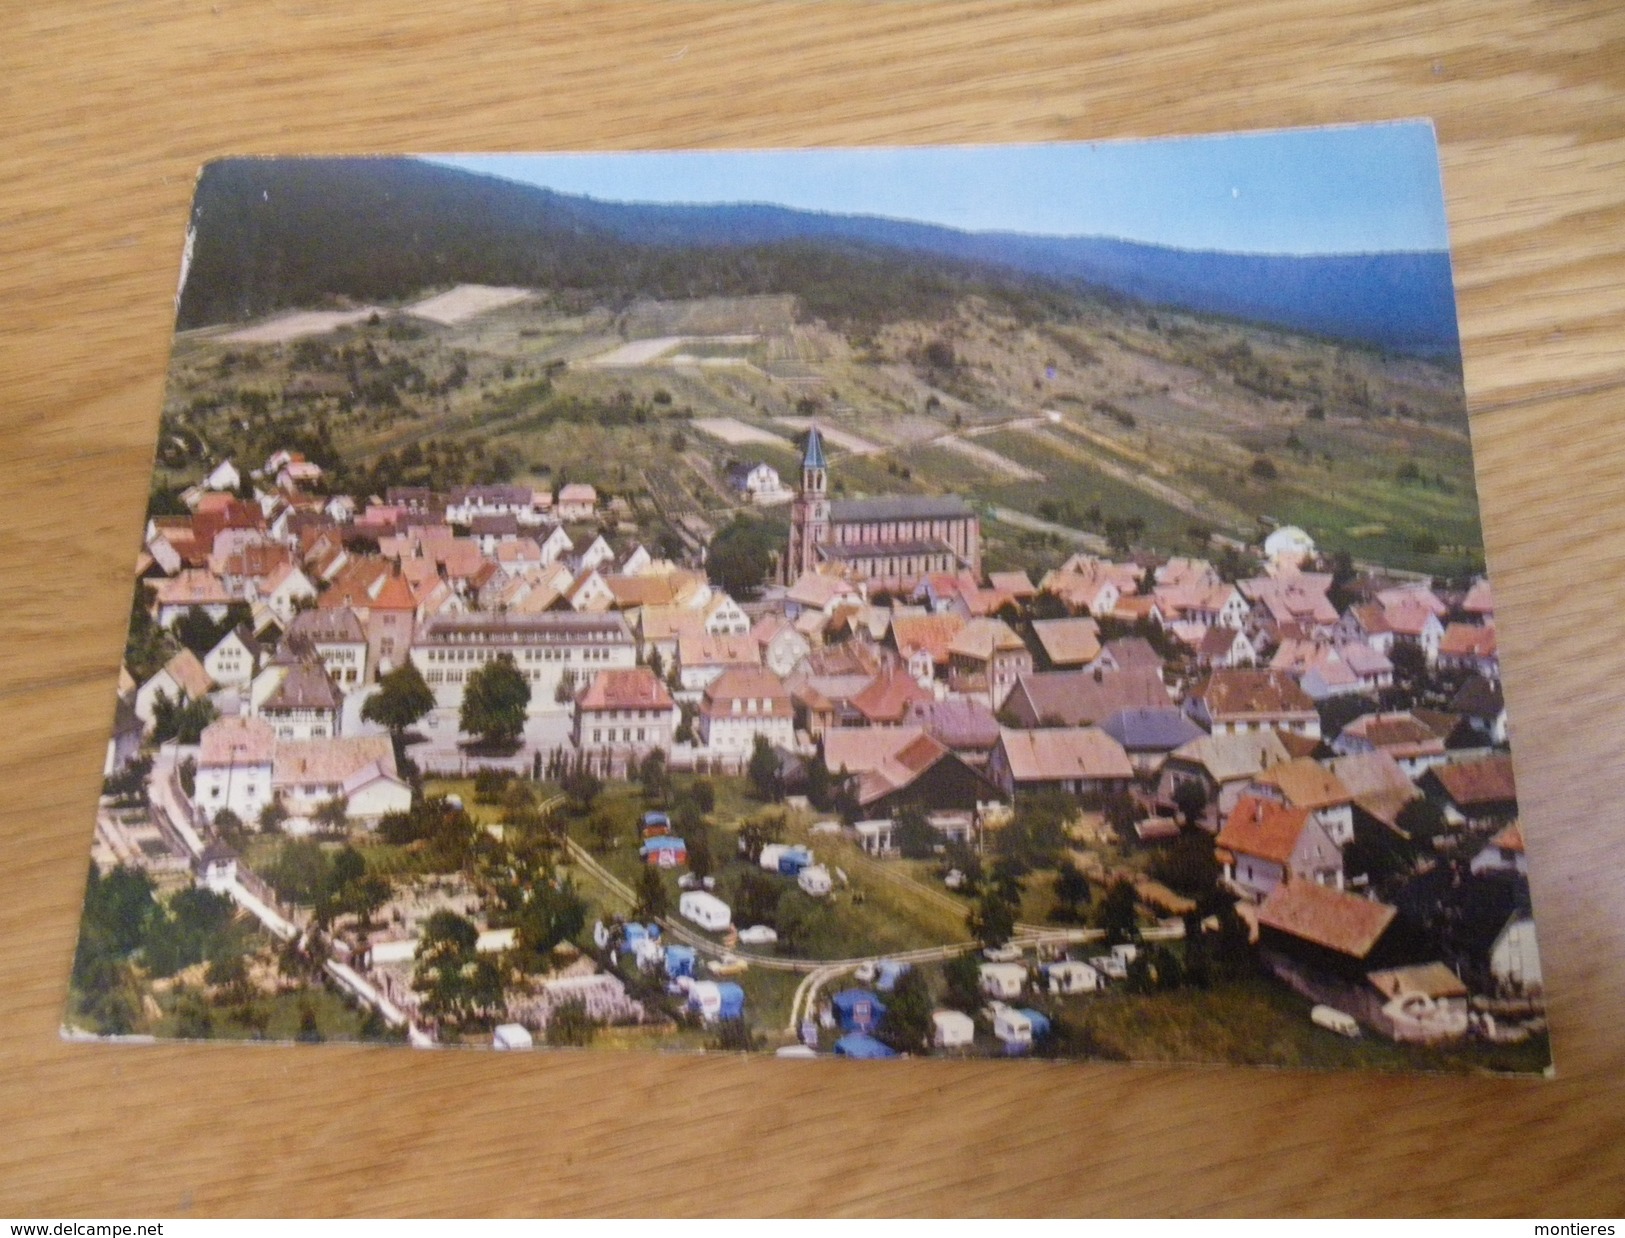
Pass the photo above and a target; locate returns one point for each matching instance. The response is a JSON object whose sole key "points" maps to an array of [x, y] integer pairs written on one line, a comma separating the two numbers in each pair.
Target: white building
{"points": [[1003, 980], [546, 646], [740, 705], [234, 768]]}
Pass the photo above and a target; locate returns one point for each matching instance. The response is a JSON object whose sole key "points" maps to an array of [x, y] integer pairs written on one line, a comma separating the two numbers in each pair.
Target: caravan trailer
{"points": [[706, 910]]}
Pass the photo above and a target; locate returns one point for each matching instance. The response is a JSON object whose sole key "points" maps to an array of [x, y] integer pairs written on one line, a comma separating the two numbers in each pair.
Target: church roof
{"points": [[813, 458]]}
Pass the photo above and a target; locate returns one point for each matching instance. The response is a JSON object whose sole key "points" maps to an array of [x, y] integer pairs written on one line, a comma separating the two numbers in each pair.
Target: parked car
{"points": [[729, 965], [1007, 953], [865, 973], [758, 935]]}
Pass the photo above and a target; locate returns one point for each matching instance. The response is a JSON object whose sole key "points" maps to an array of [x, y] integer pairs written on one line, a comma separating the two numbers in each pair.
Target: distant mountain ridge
{"points": [[276, 233]]}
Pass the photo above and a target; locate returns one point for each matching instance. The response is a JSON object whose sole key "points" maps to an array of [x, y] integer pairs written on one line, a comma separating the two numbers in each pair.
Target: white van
{"points": [[1334, 1020]]}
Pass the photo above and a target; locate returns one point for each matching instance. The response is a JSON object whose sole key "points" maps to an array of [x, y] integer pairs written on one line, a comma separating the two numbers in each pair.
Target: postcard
{"points": [[1013, 601]]}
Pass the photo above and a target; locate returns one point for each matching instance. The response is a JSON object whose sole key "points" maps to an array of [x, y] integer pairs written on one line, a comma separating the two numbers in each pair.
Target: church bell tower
{"points": [[809, 516]]}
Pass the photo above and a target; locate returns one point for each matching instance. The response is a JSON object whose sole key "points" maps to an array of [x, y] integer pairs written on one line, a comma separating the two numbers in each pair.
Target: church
{"points": [[889, 542]]}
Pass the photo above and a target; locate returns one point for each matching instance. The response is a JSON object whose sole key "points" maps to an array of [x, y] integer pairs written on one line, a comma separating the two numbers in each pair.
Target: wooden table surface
{"points": [[106, 111]]}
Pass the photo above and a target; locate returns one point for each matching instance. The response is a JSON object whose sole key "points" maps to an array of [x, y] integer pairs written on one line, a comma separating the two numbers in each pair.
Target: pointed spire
{"points": [[813, 458]]}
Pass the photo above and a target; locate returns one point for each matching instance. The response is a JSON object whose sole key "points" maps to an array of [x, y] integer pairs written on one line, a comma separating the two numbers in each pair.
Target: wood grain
{"points": [[107, 111]]}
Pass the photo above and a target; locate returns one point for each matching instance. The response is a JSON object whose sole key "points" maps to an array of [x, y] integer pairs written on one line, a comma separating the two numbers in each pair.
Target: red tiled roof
{"points": [[1317, 914], [1263, 828], [1478, 782], [633, 688]]}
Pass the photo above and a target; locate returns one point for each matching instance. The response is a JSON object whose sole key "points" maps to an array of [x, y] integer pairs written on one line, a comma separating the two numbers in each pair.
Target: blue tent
{"points": [[633, 933], [857, 1045], [655, 821], [663, 842], [886, 975], [858, 1010], [1039, 1021], [733, 1001], [679, 961]]}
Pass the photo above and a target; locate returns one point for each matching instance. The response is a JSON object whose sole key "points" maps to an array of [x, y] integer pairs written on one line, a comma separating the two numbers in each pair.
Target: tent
{"points": [[679, 961], [857, 1045], [1038, 1020], [858, 1010], [666, 850], [887, 973], [732, 1001]]}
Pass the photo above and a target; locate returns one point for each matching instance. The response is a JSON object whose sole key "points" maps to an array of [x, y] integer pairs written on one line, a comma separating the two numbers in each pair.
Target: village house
{"points": [[758, 483], [1079, 760], [923, 642], [1242, 701], [182, 678], [1150, 735], [986, 658], [284, 590], [1502, 854], [703, 658], [234, 660], [589, 593], [908, 767], [234, 768], [821, 591], [544, 647], [782, 647], [192, 588], [1291, 602], [624, 711], [1416, 746], [306, 704], [1380, 789], [1470, 647], [1475, 794], [1264, 844], [889, 697], [1223, 766], [466, 504], [1067, 644], [1482, 704], [577, 501], [337, 639], [359, 771], [1091, 586], [967, 727], [742, 703], [1321, 933], [1081, 698], [1219, 648], [1305, 783], [378, 594]]}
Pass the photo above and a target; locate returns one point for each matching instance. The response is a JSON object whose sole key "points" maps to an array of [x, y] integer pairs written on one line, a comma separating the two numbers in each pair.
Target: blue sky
{"points": [[1355, 189]]}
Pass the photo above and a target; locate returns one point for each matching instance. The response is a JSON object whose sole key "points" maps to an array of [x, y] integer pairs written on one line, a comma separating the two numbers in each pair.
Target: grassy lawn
{"points": [[334, 1017], [1260, 1023]]}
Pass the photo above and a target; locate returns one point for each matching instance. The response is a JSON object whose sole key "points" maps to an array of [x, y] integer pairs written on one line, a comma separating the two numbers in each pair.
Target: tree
{"points": [[763, 771], [1118, 913], [697, 841], [333, 813], [402, 700], [582, 786], [1263, 468], [458, 986], [1071, 889], [962, 976], [915, 837], [906, 1025], [1423, 821], [310, 1031], [1190, 797], [654, 777], [992, 920], [182, 721], [554, 913], [601, 825], [570, 1026], [272, 816], [654, 901], [741, 555], [494, 702]]}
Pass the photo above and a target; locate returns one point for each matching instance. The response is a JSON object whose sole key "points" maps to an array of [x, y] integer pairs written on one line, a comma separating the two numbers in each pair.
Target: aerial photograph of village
{"points": [[989, 602]]}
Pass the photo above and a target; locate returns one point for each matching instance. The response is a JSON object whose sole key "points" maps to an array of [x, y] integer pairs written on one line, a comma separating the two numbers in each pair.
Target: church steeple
{"points": [[814, 472], [809, 515]]}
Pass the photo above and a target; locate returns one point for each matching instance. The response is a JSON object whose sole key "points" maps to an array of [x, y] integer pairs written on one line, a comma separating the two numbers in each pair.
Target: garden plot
{"points": [[298, 325], [734, 432], [840, 438], [464, 302]]}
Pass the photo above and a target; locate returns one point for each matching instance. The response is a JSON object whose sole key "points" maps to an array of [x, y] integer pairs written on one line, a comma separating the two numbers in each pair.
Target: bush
{"points": [[1263, 468]]}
